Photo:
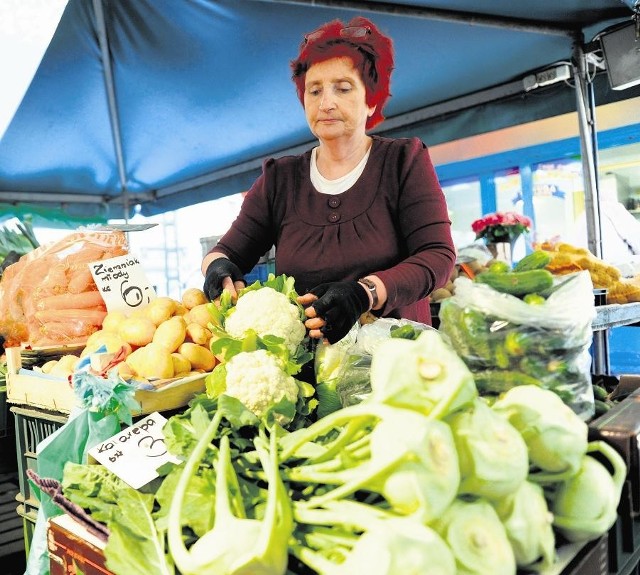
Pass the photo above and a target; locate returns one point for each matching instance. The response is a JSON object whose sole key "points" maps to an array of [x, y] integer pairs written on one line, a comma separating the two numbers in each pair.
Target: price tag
{"points": [[135, 453], [122, 283]]}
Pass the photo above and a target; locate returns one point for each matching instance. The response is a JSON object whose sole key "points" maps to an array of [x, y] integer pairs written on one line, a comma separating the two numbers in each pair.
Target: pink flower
{"points": [[501, 226]]}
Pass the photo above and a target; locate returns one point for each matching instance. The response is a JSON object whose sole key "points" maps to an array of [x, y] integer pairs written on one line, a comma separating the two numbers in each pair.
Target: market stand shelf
{"points": [[28, 387], [610, 316]]}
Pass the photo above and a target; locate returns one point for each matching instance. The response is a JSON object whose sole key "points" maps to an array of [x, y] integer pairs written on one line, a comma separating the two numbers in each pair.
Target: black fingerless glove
{"points": [[219, 269], [340, 304]]}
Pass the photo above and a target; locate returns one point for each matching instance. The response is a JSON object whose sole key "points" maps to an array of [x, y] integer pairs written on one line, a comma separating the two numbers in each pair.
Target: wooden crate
{"points": [[34, 389], [73, 549]]}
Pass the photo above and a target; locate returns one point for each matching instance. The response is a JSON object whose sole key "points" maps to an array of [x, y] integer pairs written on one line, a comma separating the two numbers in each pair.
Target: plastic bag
{"points": [[49, 297], [506, 342], [106, 403], [342, 370]]}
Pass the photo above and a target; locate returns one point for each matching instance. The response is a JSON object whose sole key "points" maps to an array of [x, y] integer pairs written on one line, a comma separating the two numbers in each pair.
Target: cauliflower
{"points": [[267, 312], [257, 379]]}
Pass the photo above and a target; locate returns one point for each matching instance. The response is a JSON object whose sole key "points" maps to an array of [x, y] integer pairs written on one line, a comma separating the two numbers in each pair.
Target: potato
{"points": [[440, 294], [197, 334], [46, 368], [134, 361], [138, 312], [171, 333], [199, 314], [180, 310], [152, 361], [157, 362], [181, 365], [199, 356], [112, 321], [193, 297], [64, 366], [112, 341], [137, 331], [125, 371], [160, 309]]}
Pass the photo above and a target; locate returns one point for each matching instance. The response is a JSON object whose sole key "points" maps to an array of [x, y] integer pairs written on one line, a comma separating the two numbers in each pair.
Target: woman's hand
{"points": [[223, 274], [333, 308]]}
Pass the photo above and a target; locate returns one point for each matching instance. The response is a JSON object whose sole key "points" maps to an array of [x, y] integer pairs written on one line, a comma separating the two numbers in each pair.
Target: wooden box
{"points": [[73, 549], [34, 389]]}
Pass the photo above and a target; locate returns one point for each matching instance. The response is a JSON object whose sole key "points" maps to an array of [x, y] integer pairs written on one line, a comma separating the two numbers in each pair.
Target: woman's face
{"points": [[335, 100]]}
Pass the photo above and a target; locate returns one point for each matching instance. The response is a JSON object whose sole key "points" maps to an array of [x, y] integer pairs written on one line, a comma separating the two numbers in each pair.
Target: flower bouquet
{"points": [[501, 227]]}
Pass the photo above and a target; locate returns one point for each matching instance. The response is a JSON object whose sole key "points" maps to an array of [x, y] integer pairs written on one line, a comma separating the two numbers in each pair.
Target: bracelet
{"points": [[373, 290]]}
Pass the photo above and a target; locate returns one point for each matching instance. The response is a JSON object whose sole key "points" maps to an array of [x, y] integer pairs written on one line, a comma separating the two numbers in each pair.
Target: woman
{"points": [[359, 221]]}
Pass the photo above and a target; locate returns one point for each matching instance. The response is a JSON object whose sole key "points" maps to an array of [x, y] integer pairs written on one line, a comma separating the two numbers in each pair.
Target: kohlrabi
{"points": [[425, 375], [585, 505], [492, 454], [475, 534], [529, 525], [236, 545], [400, 454], [350, 538], [555, 436]]}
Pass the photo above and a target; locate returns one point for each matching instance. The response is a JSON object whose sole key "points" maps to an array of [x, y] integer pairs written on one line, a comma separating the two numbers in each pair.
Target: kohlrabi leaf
{"points": [[135, 545]]}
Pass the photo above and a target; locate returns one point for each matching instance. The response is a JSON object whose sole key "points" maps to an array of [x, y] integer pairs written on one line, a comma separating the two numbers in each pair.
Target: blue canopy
{"points": [[168, 103]]}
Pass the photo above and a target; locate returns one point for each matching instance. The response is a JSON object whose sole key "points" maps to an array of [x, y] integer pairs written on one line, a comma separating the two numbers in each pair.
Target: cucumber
{"points": [[536, 260], [517, 283], [499, 267], [499, 381], [600, 392]]}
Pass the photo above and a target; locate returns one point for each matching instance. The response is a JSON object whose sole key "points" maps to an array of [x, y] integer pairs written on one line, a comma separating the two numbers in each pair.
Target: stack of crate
{"points": [[620, 427], [31, 427]]}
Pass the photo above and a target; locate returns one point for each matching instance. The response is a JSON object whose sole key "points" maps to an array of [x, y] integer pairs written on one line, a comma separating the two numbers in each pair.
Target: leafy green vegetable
{"points": [[136, 546], [21, 242], [236, 544]]}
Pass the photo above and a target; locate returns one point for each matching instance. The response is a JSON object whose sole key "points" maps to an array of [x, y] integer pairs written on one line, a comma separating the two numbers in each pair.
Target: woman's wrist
{"points": [[375, 290]]}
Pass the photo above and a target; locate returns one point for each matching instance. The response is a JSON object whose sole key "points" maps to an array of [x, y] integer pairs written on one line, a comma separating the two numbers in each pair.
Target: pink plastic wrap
{"points": [[49, 297]]}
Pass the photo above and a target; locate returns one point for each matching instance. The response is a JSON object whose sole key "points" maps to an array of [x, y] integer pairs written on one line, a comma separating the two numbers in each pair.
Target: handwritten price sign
{"points": [[122, 283], [135, 453]]}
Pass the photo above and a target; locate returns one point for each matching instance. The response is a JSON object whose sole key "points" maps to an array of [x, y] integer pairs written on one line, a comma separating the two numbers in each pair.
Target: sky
{"points": [[26, 28]]}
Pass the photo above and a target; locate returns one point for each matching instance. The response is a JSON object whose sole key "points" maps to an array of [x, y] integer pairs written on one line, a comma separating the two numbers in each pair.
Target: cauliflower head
{"points": [[257, 380], [267, 312]]}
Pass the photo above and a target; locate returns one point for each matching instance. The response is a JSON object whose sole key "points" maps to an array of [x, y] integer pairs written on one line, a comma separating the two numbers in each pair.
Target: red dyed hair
{"points": [[371, 54]]}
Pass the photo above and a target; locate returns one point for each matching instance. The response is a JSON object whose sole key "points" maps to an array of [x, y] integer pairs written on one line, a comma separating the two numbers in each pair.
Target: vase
{"points": [[501, 251]]}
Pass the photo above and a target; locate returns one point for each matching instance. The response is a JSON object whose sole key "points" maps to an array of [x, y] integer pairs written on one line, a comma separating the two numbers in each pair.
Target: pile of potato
{"points": [[166, 339], [446, 291]]}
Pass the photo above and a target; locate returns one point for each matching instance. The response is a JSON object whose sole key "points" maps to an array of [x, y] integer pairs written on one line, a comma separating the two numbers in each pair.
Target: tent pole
{"points": [[101, 29], [588, 147]]}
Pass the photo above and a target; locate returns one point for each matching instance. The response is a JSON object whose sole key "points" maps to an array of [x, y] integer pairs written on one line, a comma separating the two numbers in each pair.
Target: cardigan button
{"points": [[334, 202], [333, 217]]}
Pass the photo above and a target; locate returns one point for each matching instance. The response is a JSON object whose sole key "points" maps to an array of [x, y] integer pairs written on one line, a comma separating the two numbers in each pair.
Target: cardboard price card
{"points": [[136, 453], [122, 283]]}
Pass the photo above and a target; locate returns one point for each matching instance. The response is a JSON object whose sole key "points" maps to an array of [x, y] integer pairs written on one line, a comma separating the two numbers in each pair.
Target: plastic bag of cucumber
{"points": [[525, 327]]}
